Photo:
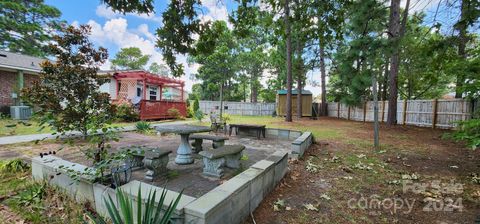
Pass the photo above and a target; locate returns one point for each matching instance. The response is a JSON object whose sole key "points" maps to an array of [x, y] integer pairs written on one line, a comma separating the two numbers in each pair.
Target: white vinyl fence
{"points": [[442, 113], [238, 108]]}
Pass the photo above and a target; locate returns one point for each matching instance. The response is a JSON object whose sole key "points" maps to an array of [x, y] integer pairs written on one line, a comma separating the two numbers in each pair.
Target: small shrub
{"points": [[33, 194], [199, 115], [126, 112], [190, 112], [174, 112], [468, 131], [226, 117], [123, 211], [196, 105], [13, 166], [143, 126]]}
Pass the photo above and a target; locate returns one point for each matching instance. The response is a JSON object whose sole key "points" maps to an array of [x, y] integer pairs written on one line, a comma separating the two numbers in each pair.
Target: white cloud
{"points": [[420, 5], [217, 10], [116, 32], [108, 13]]}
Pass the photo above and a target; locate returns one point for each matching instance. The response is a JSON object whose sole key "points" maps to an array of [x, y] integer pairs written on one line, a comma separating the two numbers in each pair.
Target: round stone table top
{"points": [[182, 128]]}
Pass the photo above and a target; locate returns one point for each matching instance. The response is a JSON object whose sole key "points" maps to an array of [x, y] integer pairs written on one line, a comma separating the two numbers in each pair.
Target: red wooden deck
{"points": [[153, 109]]}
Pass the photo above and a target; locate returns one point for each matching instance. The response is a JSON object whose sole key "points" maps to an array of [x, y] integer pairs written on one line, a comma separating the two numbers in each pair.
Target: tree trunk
{"points": [[299, 78], [323, 110], [221, 100], [396, 33], [299, 96], [288, 116], [462, 42], [254, 88], [385, 81], [375, 112]]}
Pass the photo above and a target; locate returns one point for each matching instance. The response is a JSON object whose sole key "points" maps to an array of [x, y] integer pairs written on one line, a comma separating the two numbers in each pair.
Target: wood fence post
{"points": [[338, 109], [364, 111], [348, 116], [383, 109], [434, 113], [404, 112]]}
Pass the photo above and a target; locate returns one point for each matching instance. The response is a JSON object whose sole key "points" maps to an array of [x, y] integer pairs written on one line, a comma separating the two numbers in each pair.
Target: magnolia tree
{"points": [[67, 95]]}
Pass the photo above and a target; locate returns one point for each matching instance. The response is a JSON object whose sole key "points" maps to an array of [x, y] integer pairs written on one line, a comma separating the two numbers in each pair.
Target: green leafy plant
{"points": [[33, 194], [123, 211], [174, 112], [126, 112], [226, 117], [468, 131], [199, 115], [143, 126], [14, 165], [196, 105]]}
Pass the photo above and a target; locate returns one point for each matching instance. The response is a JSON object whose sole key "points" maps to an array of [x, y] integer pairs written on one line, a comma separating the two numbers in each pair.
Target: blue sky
{"points": [[115, 31]]}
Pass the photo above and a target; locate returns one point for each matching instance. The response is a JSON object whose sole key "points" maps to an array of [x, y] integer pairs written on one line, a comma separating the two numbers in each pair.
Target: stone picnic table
{"points": [[260, 129], [184, 151]]}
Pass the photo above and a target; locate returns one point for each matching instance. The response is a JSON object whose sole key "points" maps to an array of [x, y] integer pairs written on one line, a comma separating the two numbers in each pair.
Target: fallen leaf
{"points": [[310, 207], [325, 196]]}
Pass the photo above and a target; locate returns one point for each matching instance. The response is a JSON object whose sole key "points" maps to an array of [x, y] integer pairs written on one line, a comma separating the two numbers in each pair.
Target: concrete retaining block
{"points": [[53, 169], [268, 168], [212, 207], [301, 144], [239, 188], [101, 193], [255, 177], [281, 165]]}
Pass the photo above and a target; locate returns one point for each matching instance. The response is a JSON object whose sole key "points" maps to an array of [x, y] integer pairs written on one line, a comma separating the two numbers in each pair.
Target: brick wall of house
{"points": [[8, 80], [29, 78]]}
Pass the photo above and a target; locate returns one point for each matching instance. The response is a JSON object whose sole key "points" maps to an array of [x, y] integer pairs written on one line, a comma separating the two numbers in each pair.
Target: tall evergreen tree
{"points": [[26, 26]]}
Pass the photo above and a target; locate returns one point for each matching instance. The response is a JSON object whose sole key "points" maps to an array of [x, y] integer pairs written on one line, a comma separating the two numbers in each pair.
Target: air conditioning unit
{"points": [[20, 112]]}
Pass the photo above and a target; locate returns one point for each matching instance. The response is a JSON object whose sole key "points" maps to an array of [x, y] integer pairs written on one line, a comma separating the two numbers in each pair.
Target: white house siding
{"points": [[110, 88]]}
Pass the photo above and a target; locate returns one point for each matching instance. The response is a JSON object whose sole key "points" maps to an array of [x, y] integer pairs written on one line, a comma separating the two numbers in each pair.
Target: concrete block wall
{"points": [[275, 133], [52, 169], [233, 201], [301, 144]]}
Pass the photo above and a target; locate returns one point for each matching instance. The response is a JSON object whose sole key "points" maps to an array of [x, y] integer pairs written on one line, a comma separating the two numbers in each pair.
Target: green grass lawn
{"points": [[278, 122], [9, 127]]}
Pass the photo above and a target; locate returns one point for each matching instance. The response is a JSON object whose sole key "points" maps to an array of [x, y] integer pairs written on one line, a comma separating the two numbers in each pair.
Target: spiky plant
{"points": [[145, 214]]}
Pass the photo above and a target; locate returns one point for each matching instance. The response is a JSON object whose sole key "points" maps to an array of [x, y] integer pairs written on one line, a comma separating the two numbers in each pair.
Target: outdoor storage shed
{"points": [[306, 103]]}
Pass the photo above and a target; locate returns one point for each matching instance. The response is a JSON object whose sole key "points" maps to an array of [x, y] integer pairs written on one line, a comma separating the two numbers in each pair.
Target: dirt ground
{"points": [[415, 177]]}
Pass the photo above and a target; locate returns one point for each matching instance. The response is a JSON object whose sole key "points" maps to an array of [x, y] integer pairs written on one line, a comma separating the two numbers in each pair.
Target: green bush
{"points": [[196, 105], [468, 131], [174, 112], [126, 112], [226, 117], [190, 112], [13, 166], [143, 126], [199, 115]]}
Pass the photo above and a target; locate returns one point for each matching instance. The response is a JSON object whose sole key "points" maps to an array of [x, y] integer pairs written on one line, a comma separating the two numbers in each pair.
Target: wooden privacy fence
{"points": [[442, 113], [238, 108]]}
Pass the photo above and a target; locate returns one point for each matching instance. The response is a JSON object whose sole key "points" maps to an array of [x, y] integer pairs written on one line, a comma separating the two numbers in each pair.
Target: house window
{"points": [[139, 89], [153, 90]]}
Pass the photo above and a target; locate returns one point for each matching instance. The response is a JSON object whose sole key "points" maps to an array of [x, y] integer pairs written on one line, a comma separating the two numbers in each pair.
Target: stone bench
{"points": [[214, 159], [218, 141], [155, 162]]}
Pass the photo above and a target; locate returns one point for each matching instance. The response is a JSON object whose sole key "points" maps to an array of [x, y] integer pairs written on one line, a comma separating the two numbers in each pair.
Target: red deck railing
{"points": [[153, 109]]}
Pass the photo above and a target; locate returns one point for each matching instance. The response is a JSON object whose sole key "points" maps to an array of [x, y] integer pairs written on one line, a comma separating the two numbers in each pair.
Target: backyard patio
{"points": [[184, 177]]}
